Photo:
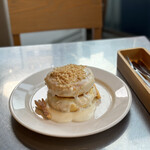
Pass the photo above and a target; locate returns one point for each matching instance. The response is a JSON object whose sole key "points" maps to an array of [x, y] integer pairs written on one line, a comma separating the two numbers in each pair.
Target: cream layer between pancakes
{"points": [[68, 104], [77, 116]]}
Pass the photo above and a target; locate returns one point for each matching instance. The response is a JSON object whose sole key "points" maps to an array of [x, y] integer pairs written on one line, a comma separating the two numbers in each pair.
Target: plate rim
{"points": [[127, 109]]}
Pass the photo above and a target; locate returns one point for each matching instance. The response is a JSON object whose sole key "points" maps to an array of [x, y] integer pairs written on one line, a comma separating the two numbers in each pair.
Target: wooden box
{"points": [[136, 83]]}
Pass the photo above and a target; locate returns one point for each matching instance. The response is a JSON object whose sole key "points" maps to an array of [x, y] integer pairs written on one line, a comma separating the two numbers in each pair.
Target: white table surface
{"points": [[17, 63]]}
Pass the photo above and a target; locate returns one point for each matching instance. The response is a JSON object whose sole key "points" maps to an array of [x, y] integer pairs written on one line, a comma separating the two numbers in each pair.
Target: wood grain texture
{"points": [[16, 38], [137, 84], [97, 33], [42, 15]]}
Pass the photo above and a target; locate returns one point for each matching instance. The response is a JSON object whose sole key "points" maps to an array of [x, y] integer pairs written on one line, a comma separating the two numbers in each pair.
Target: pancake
{"points": [[72, 94], [71, 104], [70, 80], [78, 116]]}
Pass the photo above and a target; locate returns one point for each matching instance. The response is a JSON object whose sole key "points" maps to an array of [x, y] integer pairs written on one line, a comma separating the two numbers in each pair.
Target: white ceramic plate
{"points": [[115, 104]]}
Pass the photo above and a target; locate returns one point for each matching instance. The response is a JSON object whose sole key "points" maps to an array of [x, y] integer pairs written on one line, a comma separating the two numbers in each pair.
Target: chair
{"points": [[43, 15]]}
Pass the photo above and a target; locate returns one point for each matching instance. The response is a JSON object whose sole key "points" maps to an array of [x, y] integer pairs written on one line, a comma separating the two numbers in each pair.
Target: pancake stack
{"points": [[72, 94]]}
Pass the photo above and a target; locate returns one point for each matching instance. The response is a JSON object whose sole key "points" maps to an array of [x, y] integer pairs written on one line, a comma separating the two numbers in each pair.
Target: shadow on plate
{"points": [[37, 141]]}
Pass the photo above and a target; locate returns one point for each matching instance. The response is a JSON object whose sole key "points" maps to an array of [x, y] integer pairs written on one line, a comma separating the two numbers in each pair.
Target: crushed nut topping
{"points": [[68, 74]]}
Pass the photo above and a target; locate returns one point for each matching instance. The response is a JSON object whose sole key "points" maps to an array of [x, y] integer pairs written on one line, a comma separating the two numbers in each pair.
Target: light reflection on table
{"points": [[17, 63]]}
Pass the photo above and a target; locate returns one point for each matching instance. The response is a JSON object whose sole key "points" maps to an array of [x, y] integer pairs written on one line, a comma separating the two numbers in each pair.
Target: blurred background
{"points": [[121, 18]]}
